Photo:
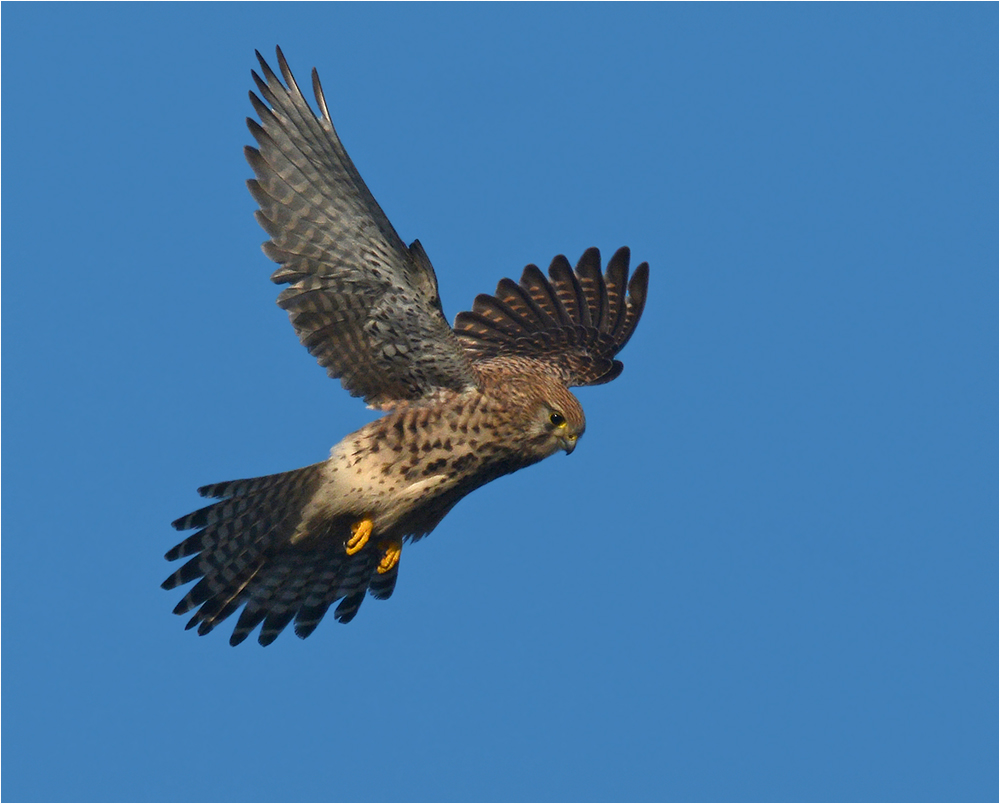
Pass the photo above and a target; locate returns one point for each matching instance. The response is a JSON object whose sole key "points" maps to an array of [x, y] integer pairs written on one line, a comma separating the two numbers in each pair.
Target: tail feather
{"points": [[206, 619], [246, 486], [251, 616], [218, 608], [243, 555], [239, 568], [274, 624], [286, 601], [321, 596], [384, 584], [309, 616], [348, 607], [187, 573]]}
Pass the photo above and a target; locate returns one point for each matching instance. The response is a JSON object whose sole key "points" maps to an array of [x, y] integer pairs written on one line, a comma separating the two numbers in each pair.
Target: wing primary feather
{"points": [[535, 283], [592, 282], [637, 288], [567, 288], [324, 225], [287, 73], [476, 325], [262, 86], [269, 79], [572, 322], [520, 302], [616, 280], [320, 97], [584, 281], [262, 109], [502, 316]]}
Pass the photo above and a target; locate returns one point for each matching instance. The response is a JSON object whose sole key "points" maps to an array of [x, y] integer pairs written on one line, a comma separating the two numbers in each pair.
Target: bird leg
{"points": [[390, 559], [360, 531]]}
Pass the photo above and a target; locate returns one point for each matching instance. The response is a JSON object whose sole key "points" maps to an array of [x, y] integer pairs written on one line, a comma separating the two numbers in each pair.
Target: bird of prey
{"points": [[463, 405]]}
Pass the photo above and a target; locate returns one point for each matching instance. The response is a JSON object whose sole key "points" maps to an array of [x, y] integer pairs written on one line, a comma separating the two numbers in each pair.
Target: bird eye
{"points": [[557, 419]]}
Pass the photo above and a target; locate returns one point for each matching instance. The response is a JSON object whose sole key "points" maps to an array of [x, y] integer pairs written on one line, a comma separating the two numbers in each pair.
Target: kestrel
{"points": [[463, 405]]}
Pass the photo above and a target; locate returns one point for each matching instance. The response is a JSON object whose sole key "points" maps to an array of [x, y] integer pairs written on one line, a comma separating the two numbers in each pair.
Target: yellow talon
{"points": [[360, 531], [391, 558]]}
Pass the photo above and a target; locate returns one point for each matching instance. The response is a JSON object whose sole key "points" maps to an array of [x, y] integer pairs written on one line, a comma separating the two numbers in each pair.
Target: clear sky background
{"points": [[769, 571]]}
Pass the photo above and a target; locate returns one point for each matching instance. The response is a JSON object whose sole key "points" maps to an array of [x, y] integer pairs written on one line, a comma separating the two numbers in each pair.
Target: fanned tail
{"points": [[243, 554]]}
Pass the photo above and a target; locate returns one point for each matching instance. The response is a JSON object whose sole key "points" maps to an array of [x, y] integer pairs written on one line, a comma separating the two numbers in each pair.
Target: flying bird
{"points": [[463, 404]]}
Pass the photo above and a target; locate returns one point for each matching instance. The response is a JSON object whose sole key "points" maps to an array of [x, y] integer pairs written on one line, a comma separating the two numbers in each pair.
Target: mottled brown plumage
{"points": [[464, 405]]}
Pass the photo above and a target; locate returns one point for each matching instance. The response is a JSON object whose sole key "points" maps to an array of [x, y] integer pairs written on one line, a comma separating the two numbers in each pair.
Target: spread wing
{"points": [[574, 322], [364, 304]]}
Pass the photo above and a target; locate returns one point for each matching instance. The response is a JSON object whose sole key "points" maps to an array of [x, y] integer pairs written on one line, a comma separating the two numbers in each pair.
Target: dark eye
{"points": [[557, 419]]}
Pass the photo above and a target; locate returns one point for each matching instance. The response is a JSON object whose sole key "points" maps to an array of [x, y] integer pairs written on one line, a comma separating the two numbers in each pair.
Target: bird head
{"points": [[557, 421]]}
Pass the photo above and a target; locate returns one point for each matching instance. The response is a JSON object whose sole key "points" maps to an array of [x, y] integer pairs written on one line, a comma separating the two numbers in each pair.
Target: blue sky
{"points": [[769, 571]]}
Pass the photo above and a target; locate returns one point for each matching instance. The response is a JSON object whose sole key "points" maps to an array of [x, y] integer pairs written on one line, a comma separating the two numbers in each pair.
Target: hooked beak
{"points": [[568, 442]]}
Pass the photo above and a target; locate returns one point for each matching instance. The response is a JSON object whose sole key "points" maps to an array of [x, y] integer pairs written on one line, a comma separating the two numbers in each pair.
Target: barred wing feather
{"points": [[364, 304], [573, 321]]}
